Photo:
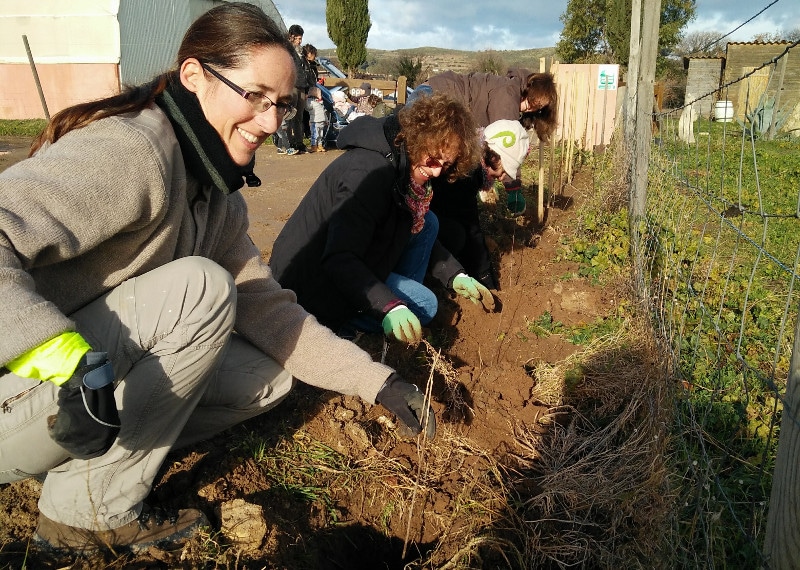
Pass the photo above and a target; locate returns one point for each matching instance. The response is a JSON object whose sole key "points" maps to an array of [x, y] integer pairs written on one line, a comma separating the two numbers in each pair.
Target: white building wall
{"points": [[60, 31]]}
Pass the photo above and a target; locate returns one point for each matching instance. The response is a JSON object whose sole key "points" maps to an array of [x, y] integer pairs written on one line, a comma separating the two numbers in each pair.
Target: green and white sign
{"points": [[607, 79]]}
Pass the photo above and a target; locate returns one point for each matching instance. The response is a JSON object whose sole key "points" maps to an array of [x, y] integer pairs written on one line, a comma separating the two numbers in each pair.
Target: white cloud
{"points": [[507, 24]]}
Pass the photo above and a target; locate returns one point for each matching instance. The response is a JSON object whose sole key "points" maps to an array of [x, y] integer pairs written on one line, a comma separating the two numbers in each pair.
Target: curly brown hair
{"points": [[439, 124], [490, 158]]}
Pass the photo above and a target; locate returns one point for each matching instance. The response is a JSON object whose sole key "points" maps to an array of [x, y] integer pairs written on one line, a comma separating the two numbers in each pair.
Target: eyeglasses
{"points": [[431, 162], [258, 101]]}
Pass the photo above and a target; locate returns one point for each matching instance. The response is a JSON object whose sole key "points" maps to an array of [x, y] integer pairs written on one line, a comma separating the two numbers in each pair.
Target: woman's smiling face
{"points": [[431, 167], [269, 71]]}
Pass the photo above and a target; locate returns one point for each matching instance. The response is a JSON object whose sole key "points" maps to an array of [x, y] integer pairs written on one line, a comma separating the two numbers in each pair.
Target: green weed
{"points": [[22, 128], [721, 242], [308, 470], [545, 326]]}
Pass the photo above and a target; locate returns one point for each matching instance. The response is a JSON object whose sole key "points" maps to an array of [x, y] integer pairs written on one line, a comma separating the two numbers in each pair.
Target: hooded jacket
{"points": [[349, 231], [490, 97]]}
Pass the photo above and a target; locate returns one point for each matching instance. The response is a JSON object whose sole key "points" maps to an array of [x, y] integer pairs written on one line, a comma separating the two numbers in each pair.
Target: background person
{"points": [[519, 95], [316, 119], [343, 106], [364, 104], [308, 56], [295, 127], [379, 106], [358, 246], [138, 316]]}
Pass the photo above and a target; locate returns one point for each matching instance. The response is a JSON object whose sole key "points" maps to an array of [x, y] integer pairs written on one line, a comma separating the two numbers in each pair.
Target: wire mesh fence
{"points": [[721, 243]]}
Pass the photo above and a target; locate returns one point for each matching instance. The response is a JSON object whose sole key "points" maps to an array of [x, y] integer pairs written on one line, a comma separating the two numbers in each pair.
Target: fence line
{"points": [[721, 246]]}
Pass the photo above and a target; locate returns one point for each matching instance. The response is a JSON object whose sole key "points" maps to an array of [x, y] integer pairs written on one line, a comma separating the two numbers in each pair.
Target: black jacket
{"points": [[339, 246], [456, 206], [301, 80]]}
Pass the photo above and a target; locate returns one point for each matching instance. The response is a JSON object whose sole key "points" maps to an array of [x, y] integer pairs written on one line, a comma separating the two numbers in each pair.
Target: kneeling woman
{"points": [[361, 241]]}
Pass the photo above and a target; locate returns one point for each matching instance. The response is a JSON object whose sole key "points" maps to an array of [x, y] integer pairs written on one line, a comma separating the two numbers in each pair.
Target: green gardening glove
{"points": [[472, 289], [403, 324]]}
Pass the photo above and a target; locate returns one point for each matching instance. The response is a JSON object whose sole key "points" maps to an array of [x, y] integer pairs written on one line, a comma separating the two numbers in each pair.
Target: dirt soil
{"points": [[484, 394]]}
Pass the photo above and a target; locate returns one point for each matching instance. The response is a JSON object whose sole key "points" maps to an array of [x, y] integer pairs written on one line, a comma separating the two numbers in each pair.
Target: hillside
{"points": [[436, 60]]}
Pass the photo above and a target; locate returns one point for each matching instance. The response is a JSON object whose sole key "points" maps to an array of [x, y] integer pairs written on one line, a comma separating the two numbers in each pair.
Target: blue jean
{"points": [[317, 134], [282, 136], [406, 279]]}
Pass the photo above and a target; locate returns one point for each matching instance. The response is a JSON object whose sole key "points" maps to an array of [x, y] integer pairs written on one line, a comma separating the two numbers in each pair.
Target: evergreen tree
{"points": [[410, 68], [583, 34], [348, 27], [600, 30], [618, 29]]}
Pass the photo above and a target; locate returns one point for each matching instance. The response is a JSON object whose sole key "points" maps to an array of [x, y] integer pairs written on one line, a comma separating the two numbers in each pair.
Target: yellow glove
{"points": [[52, 361]]}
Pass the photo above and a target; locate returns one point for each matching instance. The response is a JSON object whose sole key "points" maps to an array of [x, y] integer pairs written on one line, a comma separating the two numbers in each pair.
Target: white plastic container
{"points": [[723, 111]]}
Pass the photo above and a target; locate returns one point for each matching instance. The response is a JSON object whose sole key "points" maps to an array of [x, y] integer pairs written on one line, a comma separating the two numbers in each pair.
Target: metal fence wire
{"points": [[721, 243]]}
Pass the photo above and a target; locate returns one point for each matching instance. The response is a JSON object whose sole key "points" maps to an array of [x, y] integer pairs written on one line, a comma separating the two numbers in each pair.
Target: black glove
{"points": [[406, 402], [87, 421], [488, 279]]}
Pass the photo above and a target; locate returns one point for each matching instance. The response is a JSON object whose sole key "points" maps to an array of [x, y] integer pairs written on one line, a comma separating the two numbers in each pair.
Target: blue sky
{"points": [[509, 24]]}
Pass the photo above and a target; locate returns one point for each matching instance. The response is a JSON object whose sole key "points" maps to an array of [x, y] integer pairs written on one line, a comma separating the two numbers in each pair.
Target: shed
{"points": [[704, 75], [88, 49], [778, 78]]}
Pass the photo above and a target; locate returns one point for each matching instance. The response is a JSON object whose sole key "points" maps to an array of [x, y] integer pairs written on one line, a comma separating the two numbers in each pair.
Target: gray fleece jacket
{"points": [[113, 200]]}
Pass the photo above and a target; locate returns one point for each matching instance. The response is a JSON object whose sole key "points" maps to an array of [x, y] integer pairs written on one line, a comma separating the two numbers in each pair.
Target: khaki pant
{"points": [[182, 376]]}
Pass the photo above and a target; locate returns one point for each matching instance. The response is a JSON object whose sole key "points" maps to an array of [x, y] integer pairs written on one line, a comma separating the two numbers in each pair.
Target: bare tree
{"points": [[778, 36], [701, 44]]}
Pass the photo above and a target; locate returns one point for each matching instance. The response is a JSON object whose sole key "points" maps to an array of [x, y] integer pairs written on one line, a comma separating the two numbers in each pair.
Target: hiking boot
{"points": [[154, 527], [313, 148]]}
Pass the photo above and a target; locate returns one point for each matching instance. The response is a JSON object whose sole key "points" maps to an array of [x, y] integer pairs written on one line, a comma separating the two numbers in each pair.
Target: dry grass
{"points": [[591, 490], [601, 495], [586, 486]]}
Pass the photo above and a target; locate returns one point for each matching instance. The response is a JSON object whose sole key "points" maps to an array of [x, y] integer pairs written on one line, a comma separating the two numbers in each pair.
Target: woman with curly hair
{"points": [[357, 248], [529, 98]]}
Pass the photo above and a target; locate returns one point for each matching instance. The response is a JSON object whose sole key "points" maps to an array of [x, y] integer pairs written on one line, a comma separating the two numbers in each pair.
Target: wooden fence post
{"points": [[643, 132], [781, 73], [782, 539], [544, 66]]}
